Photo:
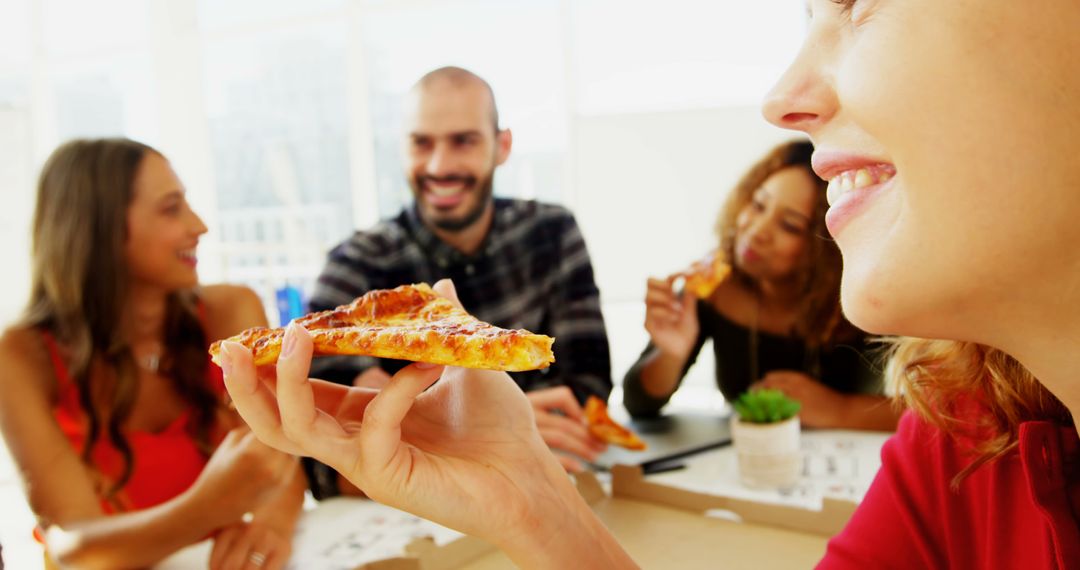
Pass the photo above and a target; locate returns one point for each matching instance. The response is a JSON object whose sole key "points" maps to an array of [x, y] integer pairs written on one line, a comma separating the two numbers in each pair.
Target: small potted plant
{"points": [[765, 432]]}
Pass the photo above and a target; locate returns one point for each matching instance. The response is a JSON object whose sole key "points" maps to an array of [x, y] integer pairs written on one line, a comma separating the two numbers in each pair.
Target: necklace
{"points": [[151, 360]]}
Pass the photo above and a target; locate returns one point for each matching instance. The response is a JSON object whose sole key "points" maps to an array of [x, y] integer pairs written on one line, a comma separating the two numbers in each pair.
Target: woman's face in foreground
{"points": [[950, 133]]}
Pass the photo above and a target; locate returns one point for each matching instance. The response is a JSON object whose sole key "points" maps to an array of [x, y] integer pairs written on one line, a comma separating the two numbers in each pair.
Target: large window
{"points": [[283, 117], [276, 106], [516, 45]]}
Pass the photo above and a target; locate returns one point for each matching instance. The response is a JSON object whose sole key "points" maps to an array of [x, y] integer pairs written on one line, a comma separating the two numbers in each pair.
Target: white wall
{"points": [[18, 203]]}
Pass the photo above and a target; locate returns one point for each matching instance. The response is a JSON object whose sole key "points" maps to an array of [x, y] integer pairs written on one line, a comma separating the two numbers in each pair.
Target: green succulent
{"points": [[765, 406]]}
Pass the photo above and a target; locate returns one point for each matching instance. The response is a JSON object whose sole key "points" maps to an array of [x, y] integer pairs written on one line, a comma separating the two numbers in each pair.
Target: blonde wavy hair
{"points": [[937, 378]]}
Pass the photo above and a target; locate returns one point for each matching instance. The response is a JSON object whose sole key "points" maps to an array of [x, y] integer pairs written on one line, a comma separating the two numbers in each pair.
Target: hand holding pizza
{"points": [[464, 452], [670, 320], [563, 426]]}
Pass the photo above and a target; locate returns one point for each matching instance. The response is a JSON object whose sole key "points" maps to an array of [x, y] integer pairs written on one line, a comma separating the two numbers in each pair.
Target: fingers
{"points": [[276, 559], [374, 377], [239, 549], [380, 435], [254, 401], [660, 285], [222, 545], [259, 557], [559, 398], [570, 464], [662, 304], [687, 302], [568, 435], [307, 427], [659, 293], [445, 288], [295, 397]]}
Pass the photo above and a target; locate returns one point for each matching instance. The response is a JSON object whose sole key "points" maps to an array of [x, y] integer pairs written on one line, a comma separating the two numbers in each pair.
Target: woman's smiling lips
{"points": [[854, 181]]}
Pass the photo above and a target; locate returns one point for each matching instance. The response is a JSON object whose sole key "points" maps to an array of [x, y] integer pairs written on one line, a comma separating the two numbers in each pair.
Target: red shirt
{"points": [[166, 463], [1017, 512]]}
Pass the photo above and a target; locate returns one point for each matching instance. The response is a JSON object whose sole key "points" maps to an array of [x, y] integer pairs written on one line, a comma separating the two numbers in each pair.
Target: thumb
{"points": [[380, 432], [445, 288], [689, 302]]}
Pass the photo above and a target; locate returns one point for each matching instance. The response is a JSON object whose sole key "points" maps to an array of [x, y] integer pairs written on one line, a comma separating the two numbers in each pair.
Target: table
{"points": [[655, 534], [663, 537]]}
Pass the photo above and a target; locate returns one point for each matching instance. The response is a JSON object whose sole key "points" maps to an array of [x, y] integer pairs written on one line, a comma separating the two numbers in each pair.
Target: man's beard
{"points": [[484, 190]]}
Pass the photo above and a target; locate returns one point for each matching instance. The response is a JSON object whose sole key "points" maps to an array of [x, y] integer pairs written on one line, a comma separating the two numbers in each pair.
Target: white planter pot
{"points": [[769, 454]]}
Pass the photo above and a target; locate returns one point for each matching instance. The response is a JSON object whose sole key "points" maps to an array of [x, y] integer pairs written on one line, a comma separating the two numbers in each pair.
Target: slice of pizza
{"points": [[706, 274], [603, 427], [409, 322]]}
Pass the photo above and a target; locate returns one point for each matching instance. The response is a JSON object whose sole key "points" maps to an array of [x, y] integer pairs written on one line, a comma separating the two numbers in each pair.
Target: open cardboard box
{"points": [[628, 481], [663, 526], [661, 536], [425, 554]]}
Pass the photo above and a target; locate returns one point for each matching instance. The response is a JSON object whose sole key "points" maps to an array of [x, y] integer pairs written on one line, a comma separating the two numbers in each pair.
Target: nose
{"points": [[804, 98], [759, 231], [198, 227], [441, 161]]}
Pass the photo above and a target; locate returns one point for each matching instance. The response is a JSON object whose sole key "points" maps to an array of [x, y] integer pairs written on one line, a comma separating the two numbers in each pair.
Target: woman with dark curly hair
{"points": [[775, 321]]}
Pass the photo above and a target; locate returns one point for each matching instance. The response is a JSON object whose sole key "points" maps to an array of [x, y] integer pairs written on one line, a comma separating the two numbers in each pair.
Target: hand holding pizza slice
{"points": [[410, 322]]}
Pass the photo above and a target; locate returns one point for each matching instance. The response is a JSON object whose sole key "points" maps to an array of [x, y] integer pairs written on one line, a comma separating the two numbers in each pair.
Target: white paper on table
{"points": [[343, 533], [339, 534], [838, 464]]}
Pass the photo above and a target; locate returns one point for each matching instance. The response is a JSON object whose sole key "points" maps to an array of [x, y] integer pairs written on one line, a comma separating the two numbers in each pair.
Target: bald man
{"points": [[515, 263]]}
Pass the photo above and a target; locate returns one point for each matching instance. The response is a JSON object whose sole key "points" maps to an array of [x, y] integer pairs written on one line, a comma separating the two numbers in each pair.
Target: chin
{"points": [[883, 307], [865, 311], [871, 300], [189, 282]]}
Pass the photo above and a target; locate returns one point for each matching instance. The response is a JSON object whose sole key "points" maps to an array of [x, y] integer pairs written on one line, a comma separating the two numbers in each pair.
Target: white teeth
{"points": [[855, 180], [440, 190]]}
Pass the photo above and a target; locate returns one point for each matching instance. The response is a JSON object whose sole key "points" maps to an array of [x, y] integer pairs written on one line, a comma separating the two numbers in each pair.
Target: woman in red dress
{"points": [[109, 405]]}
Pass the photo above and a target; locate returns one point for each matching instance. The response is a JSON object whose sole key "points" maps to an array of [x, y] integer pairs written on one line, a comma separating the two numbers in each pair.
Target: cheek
{"points": [[793, 251], [742, 221], [479, 162], [903, 276]]}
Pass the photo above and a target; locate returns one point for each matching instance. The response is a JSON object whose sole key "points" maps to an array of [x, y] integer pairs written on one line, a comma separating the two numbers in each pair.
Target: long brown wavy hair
{"points": [[79, 289], [819, 322], [941, 379]]}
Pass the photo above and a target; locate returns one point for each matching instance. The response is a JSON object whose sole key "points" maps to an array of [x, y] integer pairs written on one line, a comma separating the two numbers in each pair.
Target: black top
{"points": [[849, 367]]}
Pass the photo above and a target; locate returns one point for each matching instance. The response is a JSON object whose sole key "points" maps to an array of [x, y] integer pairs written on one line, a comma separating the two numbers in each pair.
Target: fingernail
{"points": [[230, 351], [288, 344], [426, 365], [226, 359]]}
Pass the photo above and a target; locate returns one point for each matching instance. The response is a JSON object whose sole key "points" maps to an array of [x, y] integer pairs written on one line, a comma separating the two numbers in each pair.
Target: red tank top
{"points": [[165, 463]]}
